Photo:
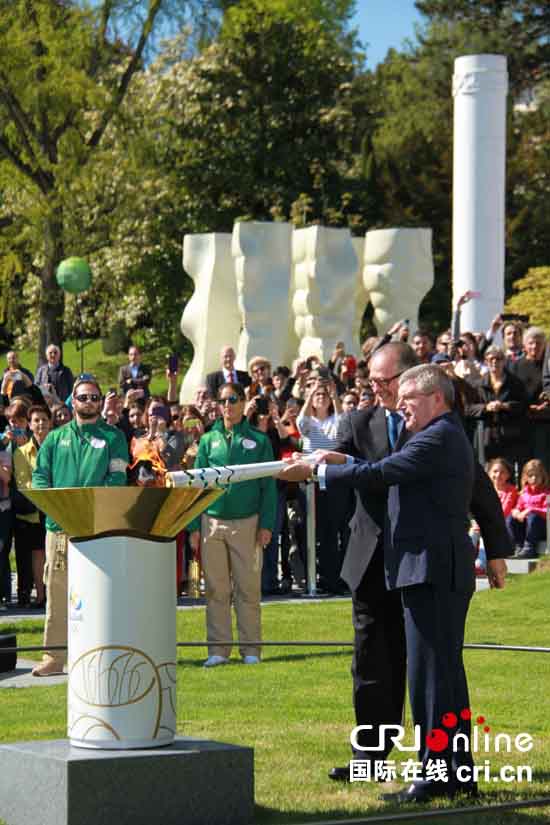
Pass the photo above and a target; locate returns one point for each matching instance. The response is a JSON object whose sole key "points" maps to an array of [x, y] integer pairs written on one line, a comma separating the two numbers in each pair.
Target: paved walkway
{"points": [[21, 677]]}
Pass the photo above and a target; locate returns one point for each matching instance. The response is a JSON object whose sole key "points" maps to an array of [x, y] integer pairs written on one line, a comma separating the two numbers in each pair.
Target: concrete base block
{"points": [[521, 566], [191, 782]]}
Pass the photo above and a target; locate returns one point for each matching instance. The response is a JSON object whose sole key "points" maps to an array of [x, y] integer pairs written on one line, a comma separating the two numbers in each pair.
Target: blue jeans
{"points": [[528, 532]]}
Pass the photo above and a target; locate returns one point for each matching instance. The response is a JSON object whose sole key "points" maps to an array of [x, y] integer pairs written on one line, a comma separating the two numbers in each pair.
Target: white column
{"points": [[211, 317], [480, 85]]}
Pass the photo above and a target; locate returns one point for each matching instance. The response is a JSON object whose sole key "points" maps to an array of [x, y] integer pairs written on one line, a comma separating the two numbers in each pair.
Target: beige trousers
{"points": [[55, 579], [232, 567]]}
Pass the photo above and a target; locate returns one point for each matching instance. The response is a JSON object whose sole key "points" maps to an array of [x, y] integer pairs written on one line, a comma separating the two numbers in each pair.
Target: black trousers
{"points": [[435, 618], [378, 666], [23, 557], [332, 512]]}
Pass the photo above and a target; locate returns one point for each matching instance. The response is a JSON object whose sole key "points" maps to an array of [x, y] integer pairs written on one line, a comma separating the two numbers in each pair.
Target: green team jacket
{"points": [[89, 455], [242, 445]]}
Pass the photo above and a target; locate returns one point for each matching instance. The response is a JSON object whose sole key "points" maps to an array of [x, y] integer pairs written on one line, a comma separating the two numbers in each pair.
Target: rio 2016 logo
{"points": [[441, 738]]}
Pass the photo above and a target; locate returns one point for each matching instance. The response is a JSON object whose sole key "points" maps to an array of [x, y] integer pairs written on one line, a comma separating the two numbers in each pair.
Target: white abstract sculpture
{"points": [[480, 85], [261, 253], [211, 318], [325, 276], [398, 272], [271, 291]]}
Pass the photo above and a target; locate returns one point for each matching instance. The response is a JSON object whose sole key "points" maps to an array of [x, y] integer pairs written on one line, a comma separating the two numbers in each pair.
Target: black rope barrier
{"points": [[232, 642], [465, 811]]}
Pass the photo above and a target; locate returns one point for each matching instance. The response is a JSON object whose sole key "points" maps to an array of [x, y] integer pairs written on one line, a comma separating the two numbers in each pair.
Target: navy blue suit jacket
{"points": [[430, 484]]}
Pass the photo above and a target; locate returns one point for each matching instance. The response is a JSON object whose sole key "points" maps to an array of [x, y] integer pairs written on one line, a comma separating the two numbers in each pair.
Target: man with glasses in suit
{"points": [[234, 531], [86, 452]]}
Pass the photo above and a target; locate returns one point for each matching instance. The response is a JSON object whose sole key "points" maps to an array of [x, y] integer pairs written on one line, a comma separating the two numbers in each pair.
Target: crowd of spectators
{"points": [[502, 383]]}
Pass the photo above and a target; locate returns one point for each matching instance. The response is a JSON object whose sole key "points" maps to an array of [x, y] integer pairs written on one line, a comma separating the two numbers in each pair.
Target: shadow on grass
{"points": [[291, 657], [273, 816]]}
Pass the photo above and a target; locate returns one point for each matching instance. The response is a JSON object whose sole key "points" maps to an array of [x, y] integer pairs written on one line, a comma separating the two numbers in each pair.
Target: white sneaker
{"points": [[251, 660], [213, 661]]}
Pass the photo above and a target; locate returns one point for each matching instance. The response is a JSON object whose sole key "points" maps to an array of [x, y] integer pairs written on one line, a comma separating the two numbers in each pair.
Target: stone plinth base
{"points": [[191, 782]]}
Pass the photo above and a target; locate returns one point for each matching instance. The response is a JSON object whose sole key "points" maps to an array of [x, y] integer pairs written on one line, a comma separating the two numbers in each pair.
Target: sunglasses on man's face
{"points": [[87, 397], [231, 399]]}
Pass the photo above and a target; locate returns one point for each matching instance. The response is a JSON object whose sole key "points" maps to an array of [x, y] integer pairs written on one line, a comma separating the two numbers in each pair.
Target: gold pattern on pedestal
{"points": [[117, 677]]}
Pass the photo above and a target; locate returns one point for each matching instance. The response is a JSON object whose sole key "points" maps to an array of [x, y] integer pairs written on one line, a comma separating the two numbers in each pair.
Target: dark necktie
{"points": [[394, 426]]}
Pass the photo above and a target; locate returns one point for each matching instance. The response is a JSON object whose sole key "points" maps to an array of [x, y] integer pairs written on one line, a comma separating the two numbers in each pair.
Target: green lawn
{"points": [[295, 709]]}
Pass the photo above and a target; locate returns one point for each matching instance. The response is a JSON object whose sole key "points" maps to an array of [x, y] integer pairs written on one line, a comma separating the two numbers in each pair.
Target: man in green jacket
{"points": [[86, 452], [234, 529]]}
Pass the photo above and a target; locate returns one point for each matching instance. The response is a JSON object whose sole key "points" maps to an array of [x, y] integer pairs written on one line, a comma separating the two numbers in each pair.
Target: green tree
{"points": [[519, 29], [258, 118], [412, 143], [65, 71], [528, 221], [532, 296], [333, 15], [263, 116]]}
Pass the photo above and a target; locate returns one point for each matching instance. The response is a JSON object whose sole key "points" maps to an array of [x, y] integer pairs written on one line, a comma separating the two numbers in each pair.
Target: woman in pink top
{"points": [[527, 521]]}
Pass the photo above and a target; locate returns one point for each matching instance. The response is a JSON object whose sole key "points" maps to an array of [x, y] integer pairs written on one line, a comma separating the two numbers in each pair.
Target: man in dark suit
{"points": [[379, 659], [227, 375], [134, 375]]}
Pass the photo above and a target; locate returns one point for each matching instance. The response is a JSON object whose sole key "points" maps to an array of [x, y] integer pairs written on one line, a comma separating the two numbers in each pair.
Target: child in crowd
{"points": [[527, 521], [500, 473]]}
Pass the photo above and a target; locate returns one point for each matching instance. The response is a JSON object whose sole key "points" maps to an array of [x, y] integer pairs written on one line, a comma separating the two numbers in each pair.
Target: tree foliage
{"points": [[139, 156], [519, 29], [532, 297], [260, 109], [64, 74], [412, 143], [258, 118]]}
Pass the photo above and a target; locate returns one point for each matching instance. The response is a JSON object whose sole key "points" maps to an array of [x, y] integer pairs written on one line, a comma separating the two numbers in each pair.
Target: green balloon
{"points": [[74, 275]]}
